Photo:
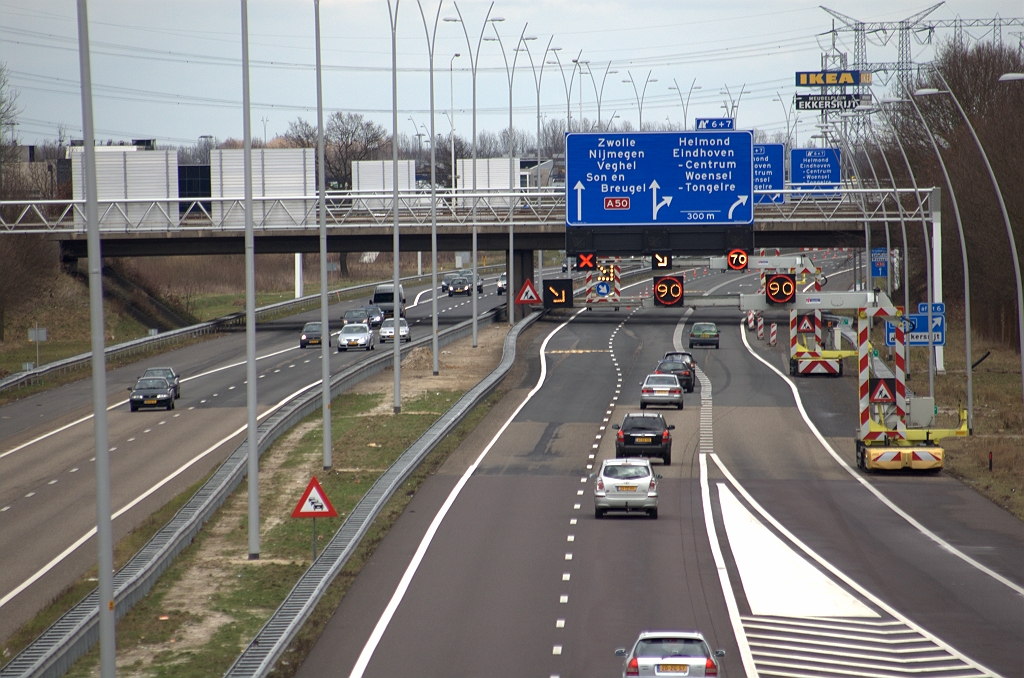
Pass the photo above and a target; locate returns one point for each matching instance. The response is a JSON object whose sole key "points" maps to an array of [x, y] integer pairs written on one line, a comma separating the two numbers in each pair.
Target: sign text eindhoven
{"points": [[659, 178]]}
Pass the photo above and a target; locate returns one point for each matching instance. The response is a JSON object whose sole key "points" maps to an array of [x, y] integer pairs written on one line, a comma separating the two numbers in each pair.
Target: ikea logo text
{"points": [[835, 78]]}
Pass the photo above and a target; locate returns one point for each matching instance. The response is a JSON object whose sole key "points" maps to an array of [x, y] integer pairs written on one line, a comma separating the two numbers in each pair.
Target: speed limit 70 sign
{"points": [[668, 291], [737, 260]]}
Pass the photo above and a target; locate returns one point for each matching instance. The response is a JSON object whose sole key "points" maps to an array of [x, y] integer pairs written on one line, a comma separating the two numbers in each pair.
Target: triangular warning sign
{"points": [[528, 294], [314, 503], [882, 393], [805, 324]]}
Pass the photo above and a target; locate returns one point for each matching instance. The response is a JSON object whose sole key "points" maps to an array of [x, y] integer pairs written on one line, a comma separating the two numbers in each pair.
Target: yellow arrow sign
{"points": [[557, 296]]}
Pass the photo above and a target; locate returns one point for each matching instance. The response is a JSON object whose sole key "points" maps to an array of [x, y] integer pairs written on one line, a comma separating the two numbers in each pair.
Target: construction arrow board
{"points": [[314, 503], [693, 179], [558, 293], [528, 294]]}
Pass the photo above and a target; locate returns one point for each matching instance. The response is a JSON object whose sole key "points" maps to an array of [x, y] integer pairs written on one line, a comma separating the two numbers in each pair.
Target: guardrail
{"points": [[128, 348], [71, 636], [263, 651]]}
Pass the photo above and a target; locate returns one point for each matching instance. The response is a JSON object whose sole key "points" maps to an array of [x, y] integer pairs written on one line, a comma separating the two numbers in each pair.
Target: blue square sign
{"points": [[817, 168], [769, 171], [700, 178]]}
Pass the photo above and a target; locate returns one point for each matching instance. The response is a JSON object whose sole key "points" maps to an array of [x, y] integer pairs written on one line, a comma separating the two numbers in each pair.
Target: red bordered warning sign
{"points": [[883, 391], [314, 503], [528, 294], [805, 324]]}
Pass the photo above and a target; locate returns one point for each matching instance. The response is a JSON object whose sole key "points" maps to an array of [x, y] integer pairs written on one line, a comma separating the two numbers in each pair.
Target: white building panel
{"points": [[279, 175], [491, 175], [125, 173], [378, 176]]}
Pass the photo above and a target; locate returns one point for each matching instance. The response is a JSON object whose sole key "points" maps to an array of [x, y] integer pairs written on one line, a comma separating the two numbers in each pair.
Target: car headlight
{"points": [[303, 337]]}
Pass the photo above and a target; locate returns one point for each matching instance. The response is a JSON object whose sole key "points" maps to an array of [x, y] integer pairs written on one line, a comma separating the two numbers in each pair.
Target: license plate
{"points": [[626, 488], [314, 341], [353, 343], [642, 440], [661, 391], [705, 336], [149, 402], [674, 668]]}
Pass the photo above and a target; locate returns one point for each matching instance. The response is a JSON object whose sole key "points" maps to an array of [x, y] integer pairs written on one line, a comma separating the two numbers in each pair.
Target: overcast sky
{"points": [[172, 70]]}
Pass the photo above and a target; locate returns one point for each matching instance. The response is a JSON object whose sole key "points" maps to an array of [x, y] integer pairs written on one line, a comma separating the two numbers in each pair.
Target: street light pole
{"points": [[511, 74], [325, 327], [1006, 217], [567, 85], [474, 59], [686, 106], [640, 95], [395, 290], [733, 107], [431, 42], [451, 121], [599, 93]]}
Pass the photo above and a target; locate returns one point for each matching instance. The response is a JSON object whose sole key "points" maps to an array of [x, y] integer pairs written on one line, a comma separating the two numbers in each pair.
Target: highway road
{"points": [[47, 483], [779, 552]]}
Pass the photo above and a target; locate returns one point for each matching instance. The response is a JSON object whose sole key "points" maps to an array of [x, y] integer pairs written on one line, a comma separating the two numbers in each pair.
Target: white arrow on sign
{"points": [[741, 201], [579, 187], [655, 205]]}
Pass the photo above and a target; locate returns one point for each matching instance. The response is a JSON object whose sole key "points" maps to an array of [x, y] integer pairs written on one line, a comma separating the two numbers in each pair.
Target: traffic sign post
{"points": [[914, 325], [769, 171], [314, 504], [668, 291], [558, 293], [702, 178], [880, 263]]}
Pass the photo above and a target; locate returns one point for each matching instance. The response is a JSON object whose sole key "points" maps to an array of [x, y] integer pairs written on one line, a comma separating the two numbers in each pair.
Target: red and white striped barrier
{"points": [[772, 334], [760, 327]]}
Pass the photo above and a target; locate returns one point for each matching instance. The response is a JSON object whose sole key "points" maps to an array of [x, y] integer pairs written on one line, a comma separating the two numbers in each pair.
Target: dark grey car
{"points": [[151, 392], [644, 434], [167, 373]]}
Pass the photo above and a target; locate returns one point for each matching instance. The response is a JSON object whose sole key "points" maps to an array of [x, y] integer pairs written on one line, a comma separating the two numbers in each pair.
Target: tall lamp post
{"points": [[599, 93], [510, 73], [640, 95], [1002, 204], [686, 105], [325, 346], [431, 37], [397, 354], [474, 59], [567, 84], [451, 118]]}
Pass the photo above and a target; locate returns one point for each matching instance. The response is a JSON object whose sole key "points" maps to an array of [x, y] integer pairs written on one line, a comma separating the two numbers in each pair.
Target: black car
{"points": [[151, 392], [468, 275], [644, 435], [312, 335], [167, 373], [358, 316], [375, 315], [679, 355], [447, 279], [684, 371], [459, 286]]}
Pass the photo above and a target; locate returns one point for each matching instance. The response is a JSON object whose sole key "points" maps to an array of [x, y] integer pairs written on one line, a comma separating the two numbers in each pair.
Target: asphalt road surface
{"points": [[765, 542], [47, 482]]}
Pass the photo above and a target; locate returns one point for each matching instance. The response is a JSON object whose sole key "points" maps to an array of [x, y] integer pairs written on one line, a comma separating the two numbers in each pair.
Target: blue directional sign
{"points": [[659, 178], [815, 167], [769, 171], [714, 123], [880, 263], [937, 307], [914, 326], [603, 289]]}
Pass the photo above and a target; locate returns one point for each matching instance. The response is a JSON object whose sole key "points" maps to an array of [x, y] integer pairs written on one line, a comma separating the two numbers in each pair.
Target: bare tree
{"points": [[8, 119]]}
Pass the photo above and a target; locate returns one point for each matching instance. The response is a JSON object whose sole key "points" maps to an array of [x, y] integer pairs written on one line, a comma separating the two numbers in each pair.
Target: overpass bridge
{"points": [[362, 221]]}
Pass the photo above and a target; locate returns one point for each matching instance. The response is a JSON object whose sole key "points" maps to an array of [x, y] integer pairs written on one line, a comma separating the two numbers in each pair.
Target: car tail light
{"points": [[633, 667], [647, 391], [710, 667], [620, 437], [664, 436], [674, 391], [600, 484]]}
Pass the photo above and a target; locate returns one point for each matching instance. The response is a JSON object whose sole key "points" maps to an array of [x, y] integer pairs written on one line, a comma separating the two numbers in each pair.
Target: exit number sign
{"points": [[616, 203]]}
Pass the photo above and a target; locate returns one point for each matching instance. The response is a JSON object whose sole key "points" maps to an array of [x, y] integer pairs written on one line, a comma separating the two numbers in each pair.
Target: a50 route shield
{"points": [[702, 178]]}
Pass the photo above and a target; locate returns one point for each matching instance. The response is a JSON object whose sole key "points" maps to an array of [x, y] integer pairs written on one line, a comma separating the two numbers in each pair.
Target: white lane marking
{"points": [[559, 623], [130, 505], [557, 649], [945, 545], [839, 574], [566, 576], [776, 580], [723, 574], [86, 418], [403, 585]]}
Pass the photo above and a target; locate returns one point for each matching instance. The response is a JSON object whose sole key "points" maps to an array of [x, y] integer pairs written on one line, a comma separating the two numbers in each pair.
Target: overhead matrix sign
{"points": [[659, 178]]}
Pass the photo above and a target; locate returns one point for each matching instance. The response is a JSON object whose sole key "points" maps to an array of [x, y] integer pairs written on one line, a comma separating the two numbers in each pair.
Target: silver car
{"points": [[661, 389], [670, 653], [387, 330], [356, 335], [626, 485]]}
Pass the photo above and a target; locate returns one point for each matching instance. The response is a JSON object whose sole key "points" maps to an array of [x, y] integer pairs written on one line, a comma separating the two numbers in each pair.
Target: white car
{"points": [[503, 283], [387, 330], [626, 485], [356, 335]]}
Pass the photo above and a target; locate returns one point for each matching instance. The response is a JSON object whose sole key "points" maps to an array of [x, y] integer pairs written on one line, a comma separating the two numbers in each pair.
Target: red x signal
{"points": [[586, 261]]}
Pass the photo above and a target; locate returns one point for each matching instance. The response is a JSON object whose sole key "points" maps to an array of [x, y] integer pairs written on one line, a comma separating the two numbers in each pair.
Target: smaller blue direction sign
{"points": [[769, 171], [714, 123], [815, 167], [603, 289], [880, 263], [937, 307], [914, 327]]}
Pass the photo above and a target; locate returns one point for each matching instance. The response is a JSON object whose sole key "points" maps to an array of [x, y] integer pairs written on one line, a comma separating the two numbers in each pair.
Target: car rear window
{"points": [[670, 647], [151, 383], [623, 471], [647, 423], [354, 329], [704, 327], [662, 380], [671, 365], [311, 327], [681, 357]]}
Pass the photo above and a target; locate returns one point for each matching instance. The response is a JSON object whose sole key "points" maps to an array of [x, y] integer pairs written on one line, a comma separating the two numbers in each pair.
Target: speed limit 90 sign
{"points": [[737, 260], [668, 291], [780, 288]]}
